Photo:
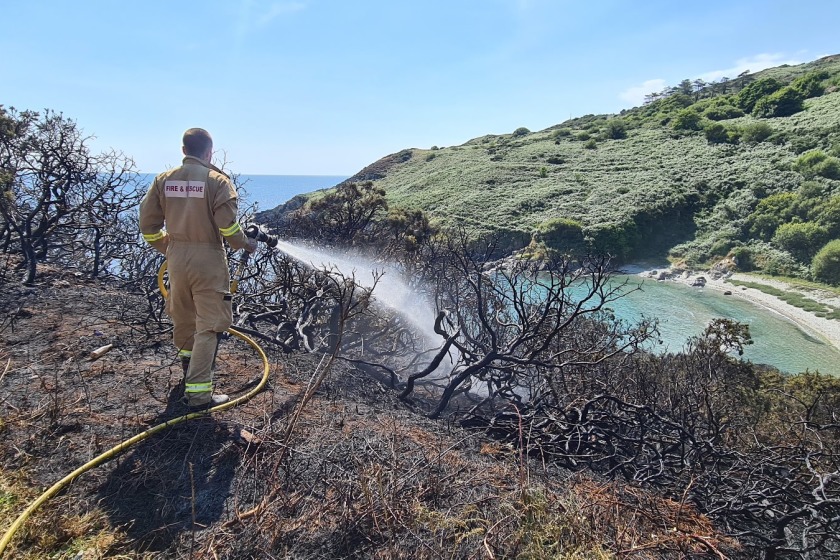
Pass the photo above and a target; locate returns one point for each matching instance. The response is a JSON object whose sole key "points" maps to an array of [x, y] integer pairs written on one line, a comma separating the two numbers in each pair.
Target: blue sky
{"points": [[325, 87]]}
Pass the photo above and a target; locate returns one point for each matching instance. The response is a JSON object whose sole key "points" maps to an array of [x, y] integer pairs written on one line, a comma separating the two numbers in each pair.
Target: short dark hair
{"points": [[197, 141]]}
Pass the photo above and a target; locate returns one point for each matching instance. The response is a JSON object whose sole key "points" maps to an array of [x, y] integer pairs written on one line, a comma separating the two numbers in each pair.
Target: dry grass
{"points": [[361, 476], [58, 531]]}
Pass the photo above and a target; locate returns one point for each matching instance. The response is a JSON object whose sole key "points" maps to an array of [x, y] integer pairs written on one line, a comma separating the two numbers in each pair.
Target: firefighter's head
{"points": [[198, 143]]}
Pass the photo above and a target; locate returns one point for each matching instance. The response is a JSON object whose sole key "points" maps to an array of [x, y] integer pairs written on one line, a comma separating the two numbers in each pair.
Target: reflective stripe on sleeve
{"points": [[152, 237], [228, 231], [198, 387]]}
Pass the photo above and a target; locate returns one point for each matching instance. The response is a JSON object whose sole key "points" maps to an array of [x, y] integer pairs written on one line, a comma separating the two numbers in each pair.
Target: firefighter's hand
{"points": [[250, 244]]}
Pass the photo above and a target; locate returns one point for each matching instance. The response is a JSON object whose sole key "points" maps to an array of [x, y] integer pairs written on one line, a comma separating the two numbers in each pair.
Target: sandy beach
{"points": [[826, 329]]}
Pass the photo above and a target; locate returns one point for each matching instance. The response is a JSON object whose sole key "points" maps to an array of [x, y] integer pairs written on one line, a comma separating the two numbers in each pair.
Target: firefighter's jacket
{"points": [[198, 204]]}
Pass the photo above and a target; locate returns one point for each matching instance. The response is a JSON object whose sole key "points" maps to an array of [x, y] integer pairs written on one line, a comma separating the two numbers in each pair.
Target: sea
{"points": [[270, 191], [683, 311]]}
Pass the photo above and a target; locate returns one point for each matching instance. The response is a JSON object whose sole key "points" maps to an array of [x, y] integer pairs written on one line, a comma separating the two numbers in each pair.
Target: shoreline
{"points": [[827, 330]]}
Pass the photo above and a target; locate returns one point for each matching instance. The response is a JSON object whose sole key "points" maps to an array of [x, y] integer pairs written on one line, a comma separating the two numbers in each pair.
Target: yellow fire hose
{"points": [[55, 488]]}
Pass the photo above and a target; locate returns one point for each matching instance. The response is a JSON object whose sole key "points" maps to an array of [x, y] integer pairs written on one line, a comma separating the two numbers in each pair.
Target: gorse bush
{"points": [[615, 129], [617, 239], [716, 133], [783, 264], [812, 189], [756, 132], [781, 103], [561, 234], [817, 163], [827, 213], [810, 85], [801, 239], [771, 213], [826, 264], [722, 111], [687, 119], [747, 98], [830, 168]]}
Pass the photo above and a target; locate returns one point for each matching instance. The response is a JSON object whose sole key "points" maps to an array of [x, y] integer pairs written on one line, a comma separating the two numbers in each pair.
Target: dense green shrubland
{"points": [[748, 165]]}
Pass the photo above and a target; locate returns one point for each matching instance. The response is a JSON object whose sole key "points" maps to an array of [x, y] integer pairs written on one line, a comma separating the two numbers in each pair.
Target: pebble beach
{"points": [[826, 329]]}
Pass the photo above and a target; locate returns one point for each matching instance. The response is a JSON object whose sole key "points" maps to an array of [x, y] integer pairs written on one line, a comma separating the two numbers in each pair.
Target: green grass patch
{"points": [[795, 299], [801, 283]]}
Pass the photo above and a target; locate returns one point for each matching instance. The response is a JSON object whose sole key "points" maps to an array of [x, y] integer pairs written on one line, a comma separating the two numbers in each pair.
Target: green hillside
{"points": [[682, 175]]}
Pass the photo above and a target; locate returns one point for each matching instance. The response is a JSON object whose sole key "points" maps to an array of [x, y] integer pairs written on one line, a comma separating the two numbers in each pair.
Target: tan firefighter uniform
{"points": [[198, 205]]}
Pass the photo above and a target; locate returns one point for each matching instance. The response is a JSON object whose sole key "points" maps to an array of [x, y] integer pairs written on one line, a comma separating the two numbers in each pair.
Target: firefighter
{"points": [[197, 204]]}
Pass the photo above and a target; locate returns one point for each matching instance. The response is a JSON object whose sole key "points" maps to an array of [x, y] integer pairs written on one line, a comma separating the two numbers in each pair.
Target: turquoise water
{"points": [[684, 311]]}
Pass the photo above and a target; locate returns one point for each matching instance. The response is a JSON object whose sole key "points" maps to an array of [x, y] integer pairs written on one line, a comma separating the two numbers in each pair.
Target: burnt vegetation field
{"points": [[530, 423]]}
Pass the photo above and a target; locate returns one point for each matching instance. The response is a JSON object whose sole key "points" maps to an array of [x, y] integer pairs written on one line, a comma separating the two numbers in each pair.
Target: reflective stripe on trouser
{"points": [[200, 307], [198, 388]]}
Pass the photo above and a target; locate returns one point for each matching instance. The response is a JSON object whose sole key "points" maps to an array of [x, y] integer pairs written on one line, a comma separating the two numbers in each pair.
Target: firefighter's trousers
{"points": [[199, 304]]}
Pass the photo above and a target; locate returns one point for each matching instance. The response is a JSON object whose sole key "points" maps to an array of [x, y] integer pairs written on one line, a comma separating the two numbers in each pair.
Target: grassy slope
{"points": [[495, 182]]}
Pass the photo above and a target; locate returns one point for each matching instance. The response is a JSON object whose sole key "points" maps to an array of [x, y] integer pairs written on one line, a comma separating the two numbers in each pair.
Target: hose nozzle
{"points": [[256, 232]]}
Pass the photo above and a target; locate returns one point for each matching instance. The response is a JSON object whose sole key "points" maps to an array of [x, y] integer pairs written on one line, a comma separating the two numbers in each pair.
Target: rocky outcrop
{"points": [[724, 268], [278, 218]]}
